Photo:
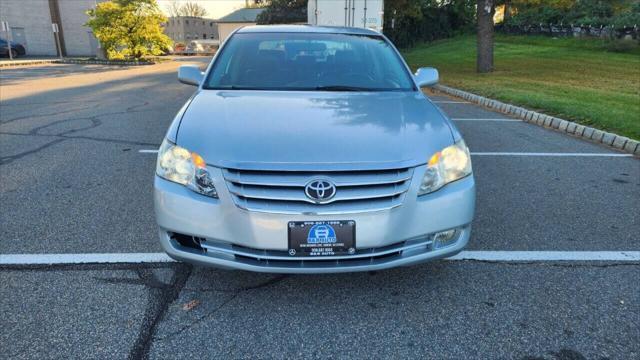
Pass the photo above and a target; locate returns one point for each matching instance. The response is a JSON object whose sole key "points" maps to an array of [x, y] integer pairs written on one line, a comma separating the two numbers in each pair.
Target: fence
{"points": [[574, 30]]}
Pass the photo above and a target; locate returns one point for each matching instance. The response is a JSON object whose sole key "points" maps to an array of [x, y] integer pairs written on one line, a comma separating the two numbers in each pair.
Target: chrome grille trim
{"points": [[281, 255], [294, 193], [301, 178], [283, 191]]}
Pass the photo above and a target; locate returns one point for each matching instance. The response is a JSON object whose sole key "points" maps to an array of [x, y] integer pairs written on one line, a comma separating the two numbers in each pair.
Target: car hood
{"points": [[313, 130]]}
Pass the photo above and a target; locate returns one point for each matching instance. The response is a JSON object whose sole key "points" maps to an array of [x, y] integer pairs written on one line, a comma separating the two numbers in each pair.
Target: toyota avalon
{"points": [[311, 150]]}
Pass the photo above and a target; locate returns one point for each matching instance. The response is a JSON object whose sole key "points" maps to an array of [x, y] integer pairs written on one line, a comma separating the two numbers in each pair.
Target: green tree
{"points": [[283, 12], [129, 29], [407, 22]]}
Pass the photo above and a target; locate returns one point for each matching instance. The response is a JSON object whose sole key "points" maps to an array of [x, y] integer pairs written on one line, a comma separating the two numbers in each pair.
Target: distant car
{"points": [[205, 46], [179, 47], [312, 150], [16, 49]]}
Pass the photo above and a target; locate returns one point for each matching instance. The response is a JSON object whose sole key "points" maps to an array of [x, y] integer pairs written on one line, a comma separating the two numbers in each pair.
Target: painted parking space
{"points": [[552, 259], [511, 158], [542, 190]]}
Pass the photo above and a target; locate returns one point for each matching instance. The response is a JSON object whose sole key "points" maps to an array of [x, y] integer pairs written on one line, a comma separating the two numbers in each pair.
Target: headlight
{"points": [[187, 168], [450, 164]]}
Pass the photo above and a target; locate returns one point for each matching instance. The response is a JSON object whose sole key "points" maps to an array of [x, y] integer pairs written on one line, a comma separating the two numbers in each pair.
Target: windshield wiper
{"points": [[343, 88]]}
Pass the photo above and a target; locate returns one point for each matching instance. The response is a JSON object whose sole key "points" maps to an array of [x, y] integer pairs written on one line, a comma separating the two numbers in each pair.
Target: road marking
{"points": [[497, 256], [511, 256], [498, 120], [148, 151], [101, 258], [550, 154]]}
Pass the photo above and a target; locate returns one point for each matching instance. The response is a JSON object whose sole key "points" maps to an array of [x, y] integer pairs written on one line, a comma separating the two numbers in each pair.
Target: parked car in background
{"points": [[16, 49], [312, 150], [204, 47], [179, 47]]}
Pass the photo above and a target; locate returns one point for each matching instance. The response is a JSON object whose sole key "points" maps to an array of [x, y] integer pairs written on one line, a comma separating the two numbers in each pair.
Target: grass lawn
{"points": [[570, 78]]}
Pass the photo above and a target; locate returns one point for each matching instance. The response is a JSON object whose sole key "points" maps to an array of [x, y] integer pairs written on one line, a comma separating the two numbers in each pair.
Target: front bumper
{"points": [[234, 238]]}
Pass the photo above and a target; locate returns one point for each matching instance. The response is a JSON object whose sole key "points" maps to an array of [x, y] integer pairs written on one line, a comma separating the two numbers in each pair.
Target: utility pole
{"points": [[54, 9], [56, 33]]}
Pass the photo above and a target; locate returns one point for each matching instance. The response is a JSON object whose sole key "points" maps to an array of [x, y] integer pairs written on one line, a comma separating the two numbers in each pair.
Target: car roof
{"points": [[306, 29]]}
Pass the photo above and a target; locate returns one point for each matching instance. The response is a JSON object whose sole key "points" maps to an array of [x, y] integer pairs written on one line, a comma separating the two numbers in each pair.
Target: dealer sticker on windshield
{"points": [[322, 238]]}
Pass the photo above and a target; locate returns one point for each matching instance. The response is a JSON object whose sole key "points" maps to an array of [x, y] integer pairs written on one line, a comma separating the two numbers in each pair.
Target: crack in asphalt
{"points": [[107, 140], [235, 294], [43, 115], [161, 296], [4, 160], [64, 135]]}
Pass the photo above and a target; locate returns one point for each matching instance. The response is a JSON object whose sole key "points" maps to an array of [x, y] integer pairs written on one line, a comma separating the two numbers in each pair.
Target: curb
{"points": [[72, 61], [104, 62], [618, 142], [8, 63]]}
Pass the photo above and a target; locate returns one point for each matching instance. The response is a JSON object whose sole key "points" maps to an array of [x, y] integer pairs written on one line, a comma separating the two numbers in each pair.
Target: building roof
{"points": [[306, 29], [241, 16]]}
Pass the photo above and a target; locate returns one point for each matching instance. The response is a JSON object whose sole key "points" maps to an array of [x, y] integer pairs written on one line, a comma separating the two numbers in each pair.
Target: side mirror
{"points": [[426, 77], [190, 75]]}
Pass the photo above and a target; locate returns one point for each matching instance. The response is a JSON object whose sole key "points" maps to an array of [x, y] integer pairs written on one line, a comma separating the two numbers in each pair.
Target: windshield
{"points": [[308, 61]]}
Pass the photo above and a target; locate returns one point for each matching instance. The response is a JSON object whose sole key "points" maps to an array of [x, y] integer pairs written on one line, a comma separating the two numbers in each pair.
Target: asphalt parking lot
{"points": [[76, 171]]}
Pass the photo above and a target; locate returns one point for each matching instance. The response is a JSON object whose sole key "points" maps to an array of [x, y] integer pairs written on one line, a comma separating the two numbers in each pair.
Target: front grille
{"points": [[281, 258], [283, 191]]}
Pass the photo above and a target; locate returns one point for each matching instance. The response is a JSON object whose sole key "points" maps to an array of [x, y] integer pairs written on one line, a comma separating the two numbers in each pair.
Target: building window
{"points": [[204, 36], [203, 23], [186, 22], [211, 24]]}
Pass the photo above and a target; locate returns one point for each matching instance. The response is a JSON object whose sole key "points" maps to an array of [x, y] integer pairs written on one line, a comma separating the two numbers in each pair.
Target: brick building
{"points": [[182, 29], [30, 22]]}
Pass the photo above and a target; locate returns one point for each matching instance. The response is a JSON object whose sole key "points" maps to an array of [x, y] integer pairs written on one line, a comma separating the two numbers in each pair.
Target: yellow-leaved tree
{"points": [[129, 29]]}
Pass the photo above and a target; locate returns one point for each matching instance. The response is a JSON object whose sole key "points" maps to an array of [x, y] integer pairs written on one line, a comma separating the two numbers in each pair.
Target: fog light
{"points": [[445, 238]]}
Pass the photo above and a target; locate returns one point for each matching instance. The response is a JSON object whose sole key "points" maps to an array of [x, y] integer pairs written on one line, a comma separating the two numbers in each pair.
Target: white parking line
{"points": [[548, 256], [497, 256], [148, 151], [550, 154], [496, 120], [102, 258]]}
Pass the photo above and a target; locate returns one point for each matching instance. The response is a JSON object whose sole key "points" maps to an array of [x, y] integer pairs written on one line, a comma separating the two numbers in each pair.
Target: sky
{"points": [[215, 8]]}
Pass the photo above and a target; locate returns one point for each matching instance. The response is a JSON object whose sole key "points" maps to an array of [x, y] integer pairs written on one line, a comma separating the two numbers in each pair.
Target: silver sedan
{"points": [[311, 150]]}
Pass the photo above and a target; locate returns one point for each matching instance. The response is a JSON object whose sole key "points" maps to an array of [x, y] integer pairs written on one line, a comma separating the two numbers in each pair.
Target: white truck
{"points": [[351, 13]]}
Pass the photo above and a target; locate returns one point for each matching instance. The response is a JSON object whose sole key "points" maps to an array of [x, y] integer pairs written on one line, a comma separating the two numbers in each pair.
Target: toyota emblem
{"points": [[320, 190]]}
